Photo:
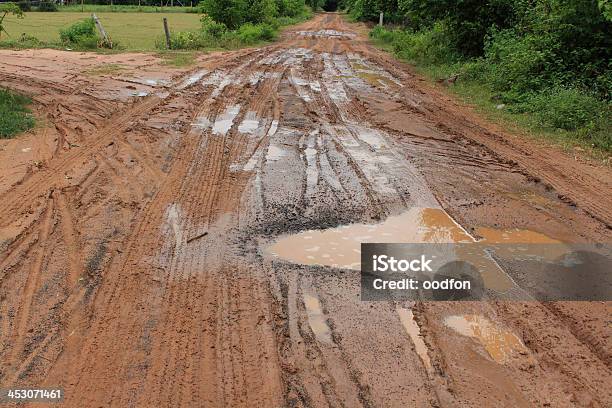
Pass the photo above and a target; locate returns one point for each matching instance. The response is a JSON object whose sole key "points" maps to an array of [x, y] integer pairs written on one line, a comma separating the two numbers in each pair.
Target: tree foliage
{"points": [[234, 13], [5, 10]]}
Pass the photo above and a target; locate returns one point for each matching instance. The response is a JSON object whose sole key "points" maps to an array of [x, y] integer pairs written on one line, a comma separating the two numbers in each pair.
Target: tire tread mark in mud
{"points": [[33, 280], [70, 238]]}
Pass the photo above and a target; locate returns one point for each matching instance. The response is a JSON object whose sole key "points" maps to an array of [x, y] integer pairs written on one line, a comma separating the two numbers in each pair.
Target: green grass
{"points": [[178, 58], [14, 114], [133, 31], [101, 8]]}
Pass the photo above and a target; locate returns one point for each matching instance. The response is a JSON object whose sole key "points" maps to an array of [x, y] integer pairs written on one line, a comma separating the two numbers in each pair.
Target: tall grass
{"points": [[15, 117]]}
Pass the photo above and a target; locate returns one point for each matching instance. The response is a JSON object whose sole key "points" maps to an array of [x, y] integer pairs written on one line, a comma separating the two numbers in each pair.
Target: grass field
{"points": [[133, 31], [99, 8]]}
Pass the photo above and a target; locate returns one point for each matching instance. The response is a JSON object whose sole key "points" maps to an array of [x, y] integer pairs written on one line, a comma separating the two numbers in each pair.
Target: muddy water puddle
{"points": [[341, 246], [500, 343]]}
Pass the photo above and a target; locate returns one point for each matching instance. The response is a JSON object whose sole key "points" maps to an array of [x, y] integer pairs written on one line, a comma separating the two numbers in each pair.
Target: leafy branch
{"points": [[5, 10]]}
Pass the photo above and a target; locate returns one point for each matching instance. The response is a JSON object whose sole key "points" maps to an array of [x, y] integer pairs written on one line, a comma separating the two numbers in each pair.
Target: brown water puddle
{"points": [[500, 343], [372, 76], [316, 319], [414, 331], [341, 247], [375, 80]]}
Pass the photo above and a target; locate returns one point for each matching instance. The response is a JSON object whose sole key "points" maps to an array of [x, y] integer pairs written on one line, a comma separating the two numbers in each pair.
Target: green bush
{"points": [[565, 108], [253, 33], [186, 40], [431, 46], [47, 6], [14, 114], [303, 15], [290, 8], [234, 13], [518, 64], [25, 5], [211, 28], [81, 34]]}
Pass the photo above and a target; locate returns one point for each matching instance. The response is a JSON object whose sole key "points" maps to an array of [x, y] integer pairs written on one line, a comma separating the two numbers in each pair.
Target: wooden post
{"points": [[82, 6], [167, 32], [102, 30], [380, 19]]}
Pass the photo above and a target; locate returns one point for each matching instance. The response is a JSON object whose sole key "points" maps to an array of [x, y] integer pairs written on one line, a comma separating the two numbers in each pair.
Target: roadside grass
{"points": [[15, 117], [133, 31], [102, 8], [104, 69], [594, 140], [178, 59]]}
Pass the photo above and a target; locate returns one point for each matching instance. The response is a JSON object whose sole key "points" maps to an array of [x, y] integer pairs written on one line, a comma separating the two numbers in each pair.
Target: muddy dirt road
{"points": [[144, 230]]}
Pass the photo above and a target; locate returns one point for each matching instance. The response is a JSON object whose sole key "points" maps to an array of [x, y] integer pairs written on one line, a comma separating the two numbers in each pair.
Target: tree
{"points": [[5, 10], [232, 13]]}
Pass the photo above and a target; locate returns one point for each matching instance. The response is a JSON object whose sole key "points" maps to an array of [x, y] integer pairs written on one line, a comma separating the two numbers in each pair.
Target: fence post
{"points": [[167, 32], [102, 30], [380, 19]]}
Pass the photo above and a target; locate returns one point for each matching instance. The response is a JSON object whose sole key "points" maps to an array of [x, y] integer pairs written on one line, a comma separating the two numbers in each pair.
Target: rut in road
{"points": [[133, 272]]}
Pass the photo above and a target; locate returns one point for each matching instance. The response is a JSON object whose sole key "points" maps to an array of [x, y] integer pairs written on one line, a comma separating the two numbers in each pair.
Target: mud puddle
{"points": [[341, 247], [316, 319], [414, 332], [500, 343]]}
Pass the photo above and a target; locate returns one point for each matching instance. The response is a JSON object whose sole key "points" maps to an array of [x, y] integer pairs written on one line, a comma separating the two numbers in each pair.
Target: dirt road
{"points": [[136, 225]]}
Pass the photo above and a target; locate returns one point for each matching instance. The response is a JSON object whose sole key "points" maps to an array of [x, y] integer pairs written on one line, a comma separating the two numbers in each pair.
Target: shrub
{"points": [[47, 6], [254, 33], [186, 40], [229, 12], [25, 5], [290, 8], [431, 46], [517, 64], [14, 115], [565, 108], [81, 34], [303, 15], [211, 28]]}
